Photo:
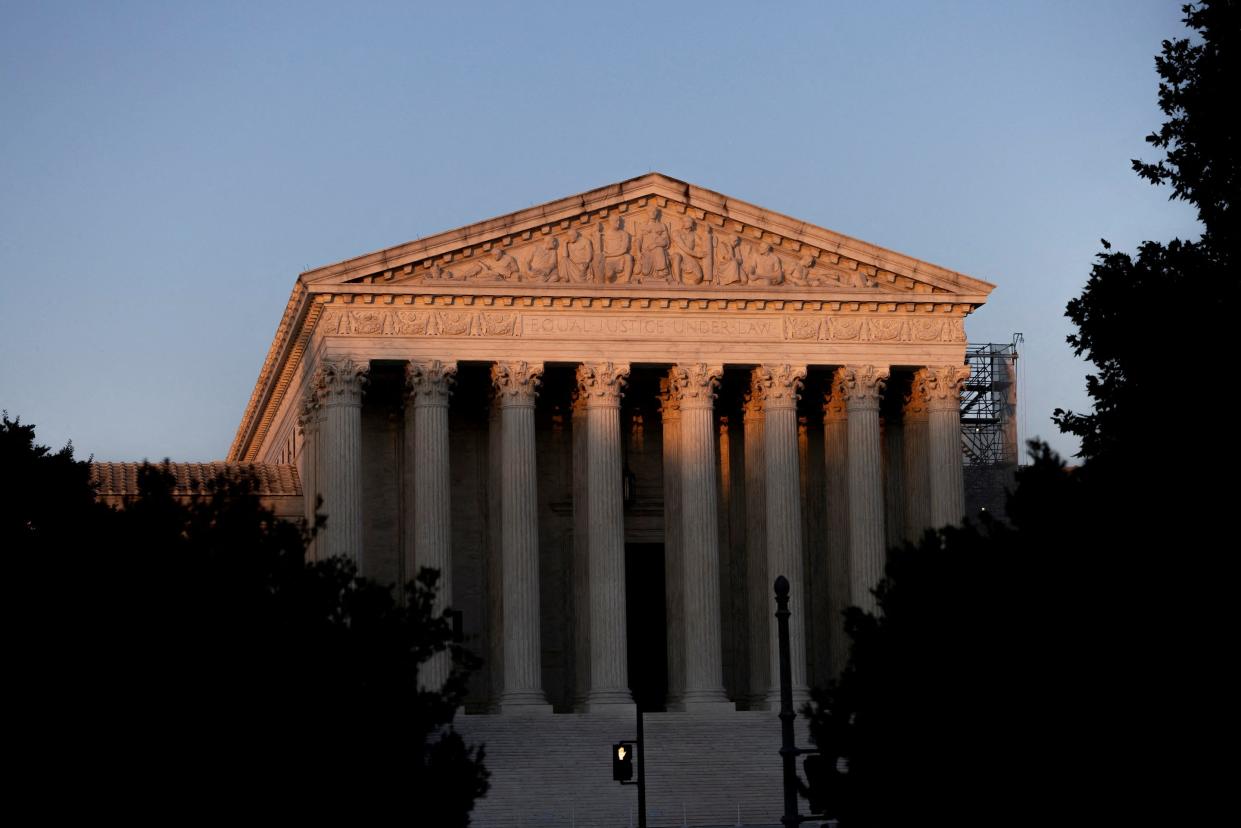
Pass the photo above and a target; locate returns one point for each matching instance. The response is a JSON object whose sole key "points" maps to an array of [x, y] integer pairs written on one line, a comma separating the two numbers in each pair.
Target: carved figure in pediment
{"points": [[803, 273], [687, 253], [579, 257], [654, 262], [617, 247], [859, 279], [502, 267], [729, 266], [439, 274], [542, 263], [767, 268]]}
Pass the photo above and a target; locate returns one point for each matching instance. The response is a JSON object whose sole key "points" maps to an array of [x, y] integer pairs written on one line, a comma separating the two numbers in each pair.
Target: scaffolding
{"points": [[989, 438], [989, 404]]}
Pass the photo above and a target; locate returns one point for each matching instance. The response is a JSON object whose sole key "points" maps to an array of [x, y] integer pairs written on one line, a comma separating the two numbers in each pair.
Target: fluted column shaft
{"points": [[516, 385], [426, 512], [916, 462], [495, 556], [943, 391], [694, 386], [309, 423], [758, 604], [340, 454], [602, 384], [581, 556], [836, 485], [863, 386], [674, 562], [893, 476], [779, 387]]}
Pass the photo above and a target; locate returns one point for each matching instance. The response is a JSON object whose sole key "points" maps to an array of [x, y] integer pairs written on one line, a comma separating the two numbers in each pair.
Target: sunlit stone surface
{"points": [[587, 414]]}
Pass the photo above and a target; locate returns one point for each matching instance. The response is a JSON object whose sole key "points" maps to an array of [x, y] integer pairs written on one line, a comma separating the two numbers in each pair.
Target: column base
{"points": [[706, 701], [524, 703], [613, 708], [608, 700], [759, 702], [801, 695], [724, 706]]}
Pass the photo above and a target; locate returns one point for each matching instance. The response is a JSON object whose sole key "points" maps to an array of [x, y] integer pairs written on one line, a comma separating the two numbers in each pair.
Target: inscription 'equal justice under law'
{"points": [[536, 325]]}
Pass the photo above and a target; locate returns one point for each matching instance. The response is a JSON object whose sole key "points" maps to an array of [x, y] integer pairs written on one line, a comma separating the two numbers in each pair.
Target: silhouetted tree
{"points": [[182, 654], [1064, 667]]}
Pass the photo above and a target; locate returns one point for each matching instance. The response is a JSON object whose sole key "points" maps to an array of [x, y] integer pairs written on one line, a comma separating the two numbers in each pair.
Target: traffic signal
{"points": [[622, 761]]}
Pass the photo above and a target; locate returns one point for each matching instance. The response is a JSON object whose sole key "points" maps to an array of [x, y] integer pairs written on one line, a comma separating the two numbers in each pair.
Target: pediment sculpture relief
{"points": [[654, 248]]}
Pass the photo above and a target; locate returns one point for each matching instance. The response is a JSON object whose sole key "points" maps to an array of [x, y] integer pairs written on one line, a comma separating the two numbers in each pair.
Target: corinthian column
{"points": [[340, 454], [516, 385], [836, 486], [759, 601], [581, 556], [779, 387], [863, 386], [942, 387], [674, 561], [308, 422], [601, 384], [917, 473], [694, 386], [427, 534]]}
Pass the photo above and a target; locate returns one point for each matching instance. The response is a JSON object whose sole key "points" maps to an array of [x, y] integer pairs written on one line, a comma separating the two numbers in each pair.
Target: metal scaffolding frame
{"points": [[989, 405]]}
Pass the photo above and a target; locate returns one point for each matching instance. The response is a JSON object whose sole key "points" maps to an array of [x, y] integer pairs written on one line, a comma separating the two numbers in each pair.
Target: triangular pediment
{"points": [[651, 232]]}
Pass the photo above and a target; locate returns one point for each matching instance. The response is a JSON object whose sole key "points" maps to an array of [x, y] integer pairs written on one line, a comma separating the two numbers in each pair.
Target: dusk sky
{"points": [[167, 169]]}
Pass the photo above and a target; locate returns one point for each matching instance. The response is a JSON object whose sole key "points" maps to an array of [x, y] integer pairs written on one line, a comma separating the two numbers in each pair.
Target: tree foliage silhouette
{"points": [[182, 650], [1062, 667]]}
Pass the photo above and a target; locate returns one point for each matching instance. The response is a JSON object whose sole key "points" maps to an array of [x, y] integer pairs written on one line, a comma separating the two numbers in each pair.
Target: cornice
{"points": [[297, 323]]}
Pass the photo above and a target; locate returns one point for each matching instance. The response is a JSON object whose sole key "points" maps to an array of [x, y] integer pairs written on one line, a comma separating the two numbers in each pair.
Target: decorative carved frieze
{"points": [[429, 382], [881, 325], [342, 379], [862, 385], [694, 386], [777, 386], [516, 382], [423, 323], [601, 383]]}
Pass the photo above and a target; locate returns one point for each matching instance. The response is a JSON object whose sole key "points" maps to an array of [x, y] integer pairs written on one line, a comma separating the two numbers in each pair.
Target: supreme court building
{"points": [[611, 421]]}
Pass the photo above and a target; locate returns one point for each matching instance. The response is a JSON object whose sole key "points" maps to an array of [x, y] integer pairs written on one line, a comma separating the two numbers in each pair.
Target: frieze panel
{"points": [[422, 323], [657, 326], [873, 329]]}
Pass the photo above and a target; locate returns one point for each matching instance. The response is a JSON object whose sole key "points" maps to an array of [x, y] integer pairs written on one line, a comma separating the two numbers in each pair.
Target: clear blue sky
{"points": [[166, 169]]}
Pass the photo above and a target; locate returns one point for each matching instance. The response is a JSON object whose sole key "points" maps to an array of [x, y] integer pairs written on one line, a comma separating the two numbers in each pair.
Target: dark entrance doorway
{"points": [[646, 627]]}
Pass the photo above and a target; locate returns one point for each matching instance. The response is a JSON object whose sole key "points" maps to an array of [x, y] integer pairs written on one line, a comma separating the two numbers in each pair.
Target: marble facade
{"points": [[610, 421]]}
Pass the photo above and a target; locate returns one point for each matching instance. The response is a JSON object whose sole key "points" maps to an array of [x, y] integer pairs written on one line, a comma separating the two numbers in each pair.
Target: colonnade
{"points": [[930, 477]]}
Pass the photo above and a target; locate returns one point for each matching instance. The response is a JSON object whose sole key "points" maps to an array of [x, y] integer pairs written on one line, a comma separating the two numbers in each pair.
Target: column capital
{"points": [[915, 403], [669, 405], [342, 380], [693, 385], [940, 385], [311, 409], [601, 383], [834, 407], [516, 383], [429, 382], [861, 385], [777, 386]]}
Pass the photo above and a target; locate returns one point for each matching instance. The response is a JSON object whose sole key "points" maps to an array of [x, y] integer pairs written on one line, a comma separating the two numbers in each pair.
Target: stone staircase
{"points": [[703, 769]]}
